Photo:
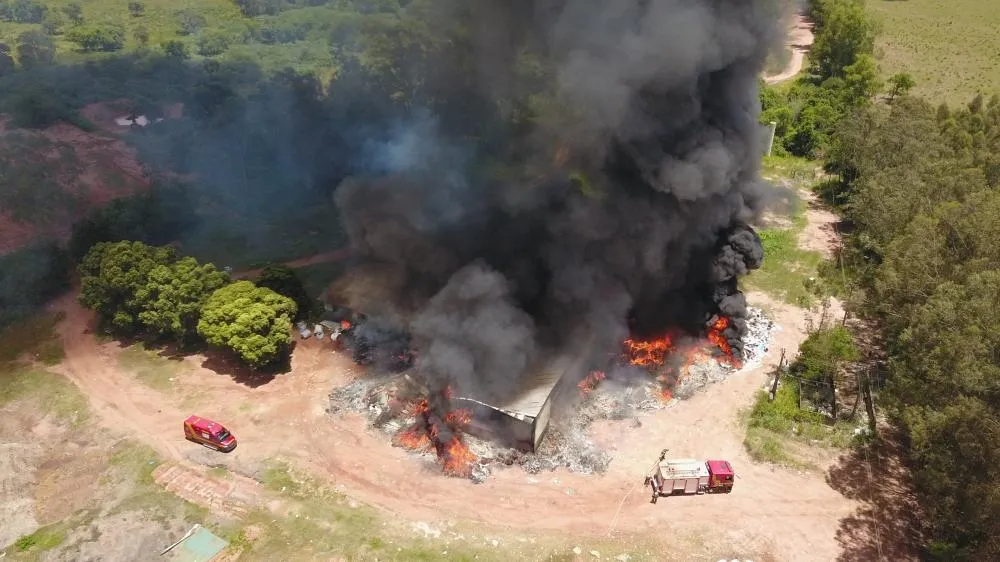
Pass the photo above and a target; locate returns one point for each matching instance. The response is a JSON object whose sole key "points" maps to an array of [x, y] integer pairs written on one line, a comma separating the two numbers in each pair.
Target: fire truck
{"points": [[689, 476]]}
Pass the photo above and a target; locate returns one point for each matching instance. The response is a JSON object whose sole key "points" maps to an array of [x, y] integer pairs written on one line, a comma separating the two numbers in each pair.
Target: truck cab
{"points": [[721, 475], [209, 433]]}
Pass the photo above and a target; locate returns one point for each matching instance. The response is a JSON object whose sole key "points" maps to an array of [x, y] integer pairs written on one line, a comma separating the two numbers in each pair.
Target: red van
{"points": [[209, 433]]}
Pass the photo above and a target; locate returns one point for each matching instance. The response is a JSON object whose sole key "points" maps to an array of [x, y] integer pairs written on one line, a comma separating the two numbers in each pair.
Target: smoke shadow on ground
{"points": [[223, 362], [889, 523]]}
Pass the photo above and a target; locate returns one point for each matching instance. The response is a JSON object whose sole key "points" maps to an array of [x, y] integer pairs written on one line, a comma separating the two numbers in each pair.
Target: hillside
{"points": [[49, 178], [949, 46]]}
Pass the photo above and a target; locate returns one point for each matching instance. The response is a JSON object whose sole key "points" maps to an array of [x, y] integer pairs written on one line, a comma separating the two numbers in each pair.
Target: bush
{"points": [[212, 43], [22, 11], [35, 49], [189, 22], [98, 38]]}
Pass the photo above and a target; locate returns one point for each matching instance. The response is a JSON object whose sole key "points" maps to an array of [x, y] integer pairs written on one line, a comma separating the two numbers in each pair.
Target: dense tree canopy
{"points": [[918, 183], [174, 295], [283, 280], [255, 322], [113, 274]]}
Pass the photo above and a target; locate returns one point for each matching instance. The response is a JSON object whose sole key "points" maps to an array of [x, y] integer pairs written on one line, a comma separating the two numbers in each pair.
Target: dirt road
{"points": [[325, 257], [800, 38], [789, 512]]}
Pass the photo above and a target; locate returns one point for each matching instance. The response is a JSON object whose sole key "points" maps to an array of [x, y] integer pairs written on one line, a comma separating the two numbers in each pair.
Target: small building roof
{"points": [[202, 546]]}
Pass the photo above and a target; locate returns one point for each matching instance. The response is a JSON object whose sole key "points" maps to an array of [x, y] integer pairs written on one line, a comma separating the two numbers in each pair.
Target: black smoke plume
{"points": [[631, 209]]}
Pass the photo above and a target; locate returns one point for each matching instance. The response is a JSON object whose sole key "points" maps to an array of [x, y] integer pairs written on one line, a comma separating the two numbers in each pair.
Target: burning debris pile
{"points": [[395, 406], [616, 210], [684, 365], [405, 410]]}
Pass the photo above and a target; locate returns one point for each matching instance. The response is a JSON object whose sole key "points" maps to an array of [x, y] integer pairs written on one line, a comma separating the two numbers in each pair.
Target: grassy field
{"points": [[149, 368], [786, 267], [951, 47]]}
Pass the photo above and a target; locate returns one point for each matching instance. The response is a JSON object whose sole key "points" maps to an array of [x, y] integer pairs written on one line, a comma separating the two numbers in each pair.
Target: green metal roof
{"points": [[202, 546]]}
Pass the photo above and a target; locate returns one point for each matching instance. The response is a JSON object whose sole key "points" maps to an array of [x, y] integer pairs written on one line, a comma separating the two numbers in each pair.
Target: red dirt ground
{"points": [[795, 515], [106, 168]]}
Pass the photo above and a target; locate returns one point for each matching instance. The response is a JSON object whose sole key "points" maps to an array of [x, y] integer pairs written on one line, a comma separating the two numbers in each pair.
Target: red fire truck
{"points": [[209, 433], [690, 476]]}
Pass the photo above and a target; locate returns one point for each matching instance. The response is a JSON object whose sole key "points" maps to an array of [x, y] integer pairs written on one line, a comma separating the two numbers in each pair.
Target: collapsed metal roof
{"points": [[527, 403]]}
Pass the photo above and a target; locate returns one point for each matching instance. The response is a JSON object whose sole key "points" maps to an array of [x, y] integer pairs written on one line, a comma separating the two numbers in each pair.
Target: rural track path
{"points": [[792, 512], [800, 38]]}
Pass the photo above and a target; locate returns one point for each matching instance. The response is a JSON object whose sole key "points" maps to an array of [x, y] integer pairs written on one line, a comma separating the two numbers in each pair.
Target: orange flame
{"points": [[344, 325], [648, 353], [715, 335], [458, 417], [414, 438], [588, 384], [458, 459], [425, 433]]}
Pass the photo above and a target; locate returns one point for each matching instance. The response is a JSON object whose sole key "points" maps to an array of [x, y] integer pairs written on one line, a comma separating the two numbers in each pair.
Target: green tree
{"points": [[900, 84], [176, 49], [141, 35], [53, 23], [189, 22], [174, 295], [844, 33], [74, 12], [285, 281], [136, 9], [255, 322], [98, 37], [212, 43], [861, 81], [35, 49], [111, 276]]}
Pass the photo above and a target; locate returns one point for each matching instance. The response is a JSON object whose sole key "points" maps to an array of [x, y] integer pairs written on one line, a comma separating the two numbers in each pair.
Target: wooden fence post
{"points": [[777, 375], [869, 404]]}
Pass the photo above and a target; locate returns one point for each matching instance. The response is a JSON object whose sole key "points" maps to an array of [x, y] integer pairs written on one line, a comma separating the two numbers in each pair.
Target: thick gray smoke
{"points": [[632, 219]]}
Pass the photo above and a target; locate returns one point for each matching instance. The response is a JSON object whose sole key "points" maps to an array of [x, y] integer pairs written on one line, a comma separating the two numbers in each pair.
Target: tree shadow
{"points": [[227, 363], [889, 524]]}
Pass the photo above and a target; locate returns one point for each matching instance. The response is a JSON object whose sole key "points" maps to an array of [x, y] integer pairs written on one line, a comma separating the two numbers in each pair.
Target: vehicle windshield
{"points": [[222, 435]]}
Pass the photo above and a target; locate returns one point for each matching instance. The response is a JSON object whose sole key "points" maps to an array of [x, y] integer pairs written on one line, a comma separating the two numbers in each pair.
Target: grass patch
{"points": [[41, 540], [775, 429], [789, 167], [54, 394], [132, 465], [149, 368], [787, 268], [34, 338], [950, 48]]}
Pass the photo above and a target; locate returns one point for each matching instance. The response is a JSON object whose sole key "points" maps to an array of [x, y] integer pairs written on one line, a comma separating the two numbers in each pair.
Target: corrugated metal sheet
{"points": [[202, 546]]}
